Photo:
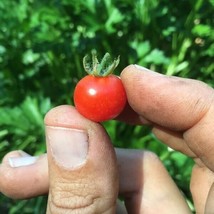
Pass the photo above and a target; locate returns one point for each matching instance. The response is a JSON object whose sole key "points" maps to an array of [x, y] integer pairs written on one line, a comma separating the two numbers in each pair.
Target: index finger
{"points": [[175, 104], [171, 102]]}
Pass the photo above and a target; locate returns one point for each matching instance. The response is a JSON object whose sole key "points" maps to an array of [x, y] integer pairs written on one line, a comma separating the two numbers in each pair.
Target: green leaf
{"points": [[202, 30], [142, 48], [115, 17], [156, 57], [211, 2]]}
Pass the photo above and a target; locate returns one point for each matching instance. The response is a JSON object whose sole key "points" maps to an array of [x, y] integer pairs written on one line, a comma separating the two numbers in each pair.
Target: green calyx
{"points": [[100, 69]]}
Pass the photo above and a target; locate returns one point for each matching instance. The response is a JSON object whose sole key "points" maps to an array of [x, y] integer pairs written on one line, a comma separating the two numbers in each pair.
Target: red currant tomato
{"points": [[100, 98]]}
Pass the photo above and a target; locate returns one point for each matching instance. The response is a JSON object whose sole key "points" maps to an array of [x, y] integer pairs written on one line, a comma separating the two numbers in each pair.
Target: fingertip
{"points": [[136, 71], [68, 117], [59, 115], [23, 181], [127, 69], [127, 73], [139, 82], [14, 154]]}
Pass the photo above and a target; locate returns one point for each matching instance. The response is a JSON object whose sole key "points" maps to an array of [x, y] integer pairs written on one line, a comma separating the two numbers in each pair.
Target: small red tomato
{"points": [[100, 96]]}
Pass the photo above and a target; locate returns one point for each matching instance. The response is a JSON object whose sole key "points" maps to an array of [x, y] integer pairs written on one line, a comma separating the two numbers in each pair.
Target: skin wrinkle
{"points": [[91, 199], [55, 209], [62, 197], [204, 109], [201, 107], [71, 190], [197, 107], [202, 145], [89, 208]]}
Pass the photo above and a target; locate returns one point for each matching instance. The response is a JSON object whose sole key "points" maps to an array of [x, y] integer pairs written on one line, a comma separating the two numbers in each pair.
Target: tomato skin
{"points": [[100, 98]]}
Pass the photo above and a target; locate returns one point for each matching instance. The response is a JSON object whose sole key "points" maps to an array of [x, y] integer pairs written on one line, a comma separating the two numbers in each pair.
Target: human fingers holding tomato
{"points": [[167, 103], [181, 112]]}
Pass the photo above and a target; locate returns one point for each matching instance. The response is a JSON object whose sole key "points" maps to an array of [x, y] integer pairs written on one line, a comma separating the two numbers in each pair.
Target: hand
{"points": [[91, 181], [84, 176], [181, 112]]}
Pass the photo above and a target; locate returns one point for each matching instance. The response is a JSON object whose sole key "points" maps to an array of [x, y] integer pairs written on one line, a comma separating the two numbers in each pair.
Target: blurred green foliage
{"points": [[42, 44]]}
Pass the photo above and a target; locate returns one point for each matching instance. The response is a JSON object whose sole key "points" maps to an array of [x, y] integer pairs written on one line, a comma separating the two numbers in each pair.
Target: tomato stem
{"points": [[101, 69]]}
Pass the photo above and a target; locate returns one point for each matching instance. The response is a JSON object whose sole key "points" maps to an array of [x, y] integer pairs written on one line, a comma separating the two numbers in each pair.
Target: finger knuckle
{"points": [[72, 198]]}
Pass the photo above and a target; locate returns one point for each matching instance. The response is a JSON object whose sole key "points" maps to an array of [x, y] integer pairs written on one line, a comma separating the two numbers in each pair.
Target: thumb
{"points": [[82, 164]]}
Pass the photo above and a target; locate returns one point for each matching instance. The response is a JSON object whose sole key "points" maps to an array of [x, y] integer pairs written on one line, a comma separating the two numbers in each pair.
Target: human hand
{"points": [[148, 194], [84, 175], [181, 112]]}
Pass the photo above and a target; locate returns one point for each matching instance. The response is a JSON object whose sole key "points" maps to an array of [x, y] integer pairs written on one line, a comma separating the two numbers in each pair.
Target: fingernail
{"points": [[68, 147], [141, 68], [22, 161]]}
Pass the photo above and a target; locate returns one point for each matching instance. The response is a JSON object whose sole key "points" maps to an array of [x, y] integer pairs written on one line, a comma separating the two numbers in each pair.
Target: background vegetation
{"points": [[42, 44]]}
